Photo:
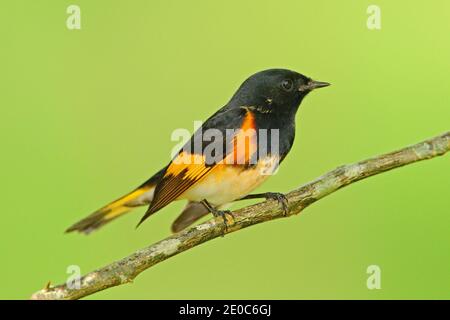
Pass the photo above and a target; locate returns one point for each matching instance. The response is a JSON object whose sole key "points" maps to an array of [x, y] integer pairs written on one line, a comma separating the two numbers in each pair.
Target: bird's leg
{"points": [[218, 213], [281, 198]]}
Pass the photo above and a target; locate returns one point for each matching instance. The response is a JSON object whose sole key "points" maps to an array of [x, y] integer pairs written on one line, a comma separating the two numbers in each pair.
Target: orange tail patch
{"points": [[115, 209]]}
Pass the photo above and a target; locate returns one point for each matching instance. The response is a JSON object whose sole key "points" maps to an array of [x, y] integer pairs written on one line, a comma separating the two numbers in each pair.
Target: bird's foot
{"points": [[223, 214], [281, 198], [220, 213]]}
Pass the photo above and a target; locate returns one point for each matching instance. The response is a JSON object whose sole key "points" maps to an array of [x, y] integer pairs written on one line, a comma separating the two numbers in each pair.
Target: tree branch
{"points": [[126, 269]]}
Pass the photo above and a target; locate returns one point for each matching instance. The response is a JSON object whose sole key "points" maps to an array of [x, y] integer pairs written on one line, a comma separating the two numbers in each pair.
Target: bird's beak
{"points": [[312, 84]]}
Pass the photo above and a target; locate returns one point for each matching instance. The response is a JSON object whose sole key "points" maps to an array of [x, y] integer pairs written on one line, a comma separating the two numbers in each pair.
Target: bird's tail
{"points": [[140, 196]]}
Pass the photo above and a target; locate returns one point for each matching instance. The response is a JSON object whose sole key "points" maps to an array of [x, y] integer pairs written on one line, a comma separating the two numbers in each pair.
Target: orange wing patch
{"points": [[185, 170], [185, 161], [188, 169]]}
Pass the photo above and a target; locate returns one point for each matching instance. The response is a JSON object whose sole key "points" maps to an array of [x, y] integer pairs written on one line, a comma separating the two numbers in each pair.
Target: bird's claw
{"points": [[223, 214], [282, 200]]}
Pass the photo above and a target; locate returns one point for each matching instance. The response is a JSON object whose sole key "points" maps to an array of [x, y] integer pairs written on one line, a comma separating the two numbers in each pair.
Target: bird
{"points": [[232, 153]]}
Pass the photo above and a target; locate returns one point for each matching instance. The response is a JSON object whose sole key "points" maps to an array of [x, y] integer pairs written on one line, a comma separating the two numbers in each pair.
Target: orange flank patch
{"points": [[249, 121], [245, 143]]}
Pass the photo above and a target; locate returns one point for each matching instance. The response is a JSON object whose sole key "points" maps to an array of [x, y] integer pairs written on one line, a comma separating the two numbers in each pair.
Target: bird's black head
{"points": [[275, 90]]}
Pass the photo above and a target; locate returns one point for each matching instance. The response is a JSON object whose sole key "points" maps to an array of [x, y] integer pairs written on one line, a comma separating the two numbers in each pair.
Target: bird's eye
{"points": [[287, 84]]}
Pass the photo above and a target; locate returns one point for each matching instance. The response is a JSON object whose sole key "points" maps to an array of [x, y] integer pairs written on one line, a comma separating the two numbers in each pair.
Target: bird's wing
{"points": [[189, 167]]}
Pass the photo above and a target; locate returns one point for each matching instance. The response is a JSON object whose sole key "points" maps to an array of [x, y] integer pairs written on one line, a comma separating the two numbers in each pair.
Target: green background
{"points": [[87, 114]]}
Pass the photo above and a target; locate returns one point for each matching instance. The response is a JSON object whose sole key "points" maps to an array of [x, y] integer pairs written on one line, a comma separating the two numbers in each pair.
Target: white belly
{"points": [[226, 183]]}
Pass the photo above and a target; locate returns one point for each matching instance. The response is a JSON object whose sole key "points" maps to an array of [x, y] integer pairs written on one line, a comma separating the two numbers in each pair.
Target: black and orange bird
{"points": [[231, 154]]}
